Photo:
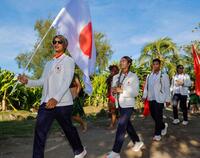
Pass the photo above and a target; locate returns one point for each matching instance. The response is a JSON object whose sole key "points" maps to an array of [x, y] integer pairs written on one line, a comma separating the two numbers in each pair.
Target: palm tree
{"points": [[164, 49], [187, 58], [104, 51]]}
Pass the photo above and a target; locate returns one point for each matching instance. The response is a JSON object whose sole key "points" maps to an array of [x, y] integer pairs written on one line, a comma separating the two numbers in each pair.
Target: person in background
{"points": [[180, 89], [194, 99], [111, 100], [157, 92], [78, 97]]}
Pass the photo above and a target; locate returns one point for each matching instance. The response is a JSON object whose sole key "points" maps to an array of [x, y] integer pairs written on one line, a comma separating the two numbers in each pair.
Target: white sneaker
{"points": [[164, 131], [176, 121], [112, 154], [185, 123], [81, 155], [138, 146], [157, 138]]}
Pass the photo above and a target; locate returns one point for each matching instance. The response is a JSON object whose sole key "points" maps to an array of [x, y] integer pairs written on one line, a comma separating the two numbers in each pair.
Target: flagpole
{"points": [[33, 54], [53, 23]]}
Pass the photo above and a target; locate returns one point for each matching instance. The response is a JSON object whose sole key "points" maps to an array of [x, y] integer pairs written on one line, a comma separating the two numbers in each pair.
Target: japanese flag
{"points": [[74, 22]]}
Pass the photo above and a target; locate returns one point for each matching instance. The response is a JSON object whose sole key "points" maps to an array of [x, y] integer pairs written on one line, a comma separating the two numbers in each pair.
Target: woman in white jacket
{"points": [[56, 102], [125, 88]]}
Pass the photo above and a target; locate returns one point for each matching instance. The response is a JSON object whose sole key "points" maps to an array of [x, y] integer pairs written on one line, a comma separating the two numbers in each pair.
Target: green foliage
{"points": [[22, 128], [142, 73], [104, 51], [99, 95], [187, 58], [21, 98], [165, 50]]}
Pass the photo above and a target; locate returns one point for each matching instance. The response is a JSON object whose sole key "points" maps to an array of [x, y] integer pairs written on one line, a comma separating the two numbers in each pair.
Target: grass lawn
{"points": [[24, 128], [22, 123]]}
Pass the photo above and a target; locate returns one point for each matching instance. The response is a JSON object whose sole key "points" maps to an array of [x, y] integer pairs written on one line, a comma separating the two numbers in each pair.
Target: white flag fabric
{"points": [[74, 22]]}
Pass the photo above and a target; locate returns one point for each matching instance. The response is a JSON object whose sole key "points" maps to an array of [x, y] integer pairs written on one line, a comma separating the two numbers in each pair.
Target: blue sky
{"points": [[128, 24]]}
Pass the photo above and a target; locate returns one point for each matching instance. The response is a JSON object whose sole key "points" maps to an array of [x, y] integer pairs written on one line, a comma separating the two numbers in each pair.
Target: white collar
{"points": [[59, 58]]}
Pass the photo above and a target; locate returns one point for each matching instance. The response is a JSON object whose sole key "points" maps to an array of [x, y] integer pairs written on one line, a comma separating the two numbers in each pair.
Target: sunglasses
{"points": [[180, 68], [59, 42]]}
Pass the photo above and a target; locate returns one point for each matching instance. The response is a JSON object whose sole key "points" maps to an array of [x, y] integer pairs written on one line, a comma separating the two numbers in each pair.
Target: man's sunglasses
{"points": [[59, 42]]}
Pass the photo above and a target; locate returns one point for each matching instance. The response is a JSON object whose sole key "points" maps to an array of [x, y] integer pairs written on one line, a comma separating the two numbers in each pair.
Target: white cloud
{"points": [[186, 36], [16, 37], [14, 40], [141, 40]]}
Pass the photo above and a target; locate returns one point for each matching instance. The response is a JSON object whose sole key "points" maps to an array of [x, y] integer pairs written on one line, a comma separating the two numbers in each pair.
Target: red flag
{"points": [[196, 70], [146, 111]]}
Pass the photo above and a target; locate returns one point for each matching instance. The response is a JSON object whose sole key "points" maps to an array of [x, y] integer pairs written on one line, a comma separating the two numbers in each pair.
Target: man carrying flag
{"points": [[74, 23], [56, 102]]}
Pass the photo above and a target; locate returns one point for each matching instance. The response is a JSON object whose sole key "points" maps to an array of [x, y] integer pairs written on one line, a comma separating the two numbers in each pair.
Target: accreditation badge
{"points": [[58, 68]]}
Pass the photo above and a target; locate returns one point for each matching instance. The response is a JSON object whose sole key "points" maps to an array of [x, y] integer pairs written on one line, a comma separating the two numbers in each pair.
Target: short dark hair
{"points": [[63, 39], [112, 67], [179, 66], [129, 60], [157, 60]]}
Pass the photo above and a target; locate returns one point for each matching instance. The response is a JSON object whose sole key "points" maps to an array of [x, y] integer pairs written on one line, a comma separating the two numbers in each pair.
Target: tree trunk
{"points": [[4, 106], [4, 103]]}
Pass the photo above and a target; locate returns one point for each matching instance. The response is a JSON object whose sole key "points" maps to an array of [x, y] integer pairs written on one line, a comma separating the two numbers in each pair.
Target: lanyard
{"points": [[120, 83]]}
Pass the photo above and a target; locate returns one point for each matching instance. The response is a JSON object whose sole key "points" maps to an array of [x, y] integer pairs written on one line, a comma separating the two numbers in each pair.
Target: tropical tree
{"points": [[104, 51], [21, 98], [164, 49], [44, 53], [187, 58]]}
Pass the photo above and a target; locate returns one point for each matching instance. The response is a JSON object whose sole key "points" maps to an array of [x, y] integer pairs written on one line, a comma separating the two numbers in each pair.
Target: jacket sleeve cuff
{"points": [[30, 83], [168, 100], [57, 98]]}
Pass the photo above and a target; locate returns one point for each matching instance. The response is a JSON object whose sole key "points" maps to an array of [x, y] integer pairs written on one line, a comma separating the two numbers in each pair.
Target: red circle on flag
{"points": [[85, 40]]}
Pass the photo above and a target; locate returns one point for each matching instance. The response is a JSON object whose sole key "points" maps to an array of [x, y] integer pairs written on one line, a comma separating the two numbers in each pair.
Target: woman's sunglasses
{"points": [[59, 42]]}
